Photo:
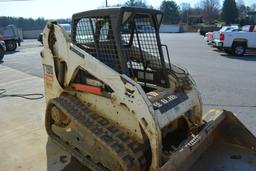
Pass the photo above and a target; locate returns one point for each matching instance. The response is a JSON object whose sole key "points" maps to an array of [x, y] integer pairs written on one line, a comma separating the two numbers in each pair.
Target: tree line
{"points": [[28, 23], [206, 11]]}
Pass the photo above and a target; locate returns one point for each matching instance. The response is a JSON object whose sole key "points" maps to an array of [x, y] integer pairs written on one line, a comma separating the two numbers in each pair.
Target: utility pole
{"points": [[106, 3]]}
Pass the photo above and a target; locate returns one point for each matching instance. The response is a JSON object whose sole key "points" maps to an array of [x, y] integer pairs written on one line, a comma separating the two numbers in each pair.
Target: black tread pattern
{"points": [[130, 152]]}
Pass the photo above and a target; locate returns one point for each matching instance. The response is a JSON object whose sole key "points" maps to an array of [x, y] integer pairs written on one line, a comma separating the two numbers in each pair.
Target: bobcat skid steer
{"points": [[115, 102]]}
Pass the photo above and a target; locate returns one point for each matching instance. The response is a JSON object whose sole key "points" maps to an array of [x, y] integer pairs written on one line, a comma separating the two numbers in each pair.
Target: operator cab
{"points": [[127, 40]]}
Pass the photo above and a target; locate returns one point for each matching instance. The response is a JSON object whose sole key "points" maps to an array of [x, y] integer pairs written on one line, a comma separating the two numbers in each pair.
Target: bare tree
{"points": [[242, 8], [185, 10], [240, 2], [210, 9], [136, 3], [253, 6]]}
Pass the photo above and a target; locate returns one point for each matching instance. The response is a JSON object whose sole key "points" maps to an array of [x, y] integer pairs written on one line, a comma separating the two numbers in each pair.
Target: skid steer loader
{"points": [[116, 102]]}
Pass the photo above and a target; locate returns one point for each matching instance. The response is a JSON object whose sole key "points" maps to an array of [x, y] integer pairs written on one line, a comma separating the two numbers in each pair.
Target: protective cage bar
{"points": [[95, 36], [140, 47], [130, 47]]}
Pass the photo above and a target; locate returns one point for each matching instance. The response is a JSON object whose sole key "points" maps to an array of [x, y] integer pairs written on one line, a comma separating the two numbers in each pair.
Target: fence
{"points": [[31, 34], [172, 28]]}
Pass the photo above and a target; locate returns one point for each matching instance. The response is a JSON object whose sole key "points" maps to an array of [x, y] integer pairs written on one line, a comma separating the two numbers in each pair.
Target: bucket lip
{"points": [[191, 144], [212, 119]]}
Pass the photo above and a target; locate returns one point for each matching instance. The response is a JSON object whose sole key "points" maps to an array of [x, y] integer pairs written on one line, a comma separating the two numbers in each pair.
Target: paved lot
{"points": [[24, 143], [26, 58], [225, 81]]}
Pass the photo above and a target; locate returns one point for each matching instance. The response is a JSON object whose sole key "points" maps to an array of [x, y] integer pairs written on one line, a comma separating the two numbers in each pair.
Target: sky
{"points": [[53, 9]]}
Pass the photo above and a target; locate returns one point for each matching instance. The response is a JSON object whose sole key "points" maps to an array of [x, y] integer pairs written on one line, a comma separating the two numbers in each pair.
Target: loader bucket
{"points": [[223, 144]]}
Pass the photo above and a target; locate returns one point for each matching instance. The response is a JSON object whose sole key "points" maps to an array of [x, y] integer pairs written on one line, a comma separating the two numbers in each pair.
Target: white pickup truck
{"points": [[216, 34], [237, 42]]}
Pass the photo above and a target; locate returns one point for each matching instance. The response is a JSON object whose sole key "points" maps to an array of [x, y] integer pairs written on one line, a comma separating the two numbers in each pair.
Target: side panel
{"points": [[126, 91], [248, 37], [252, 40]]}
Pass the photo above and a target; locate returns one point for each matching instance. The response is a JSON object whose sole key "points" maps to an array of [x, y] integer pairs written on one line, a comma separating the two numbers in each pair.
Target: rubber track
{"points": [[129, 151]]}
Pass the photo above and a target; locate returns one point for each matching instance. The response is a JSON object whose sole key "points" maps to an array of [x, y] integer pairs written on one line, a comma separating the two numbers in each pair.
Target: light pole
{"points": [[106, 3]]}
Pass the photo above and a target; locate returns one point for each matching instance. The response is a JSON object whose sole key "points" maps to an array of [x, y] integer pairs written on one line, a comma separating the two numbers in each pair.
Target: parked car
{"points": [[216, 39], [205, 29], [40, 38], [66, 27], [216, 34], [11, 37], [237, 42], [2, 48], [248, 28], [211, 36]]}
